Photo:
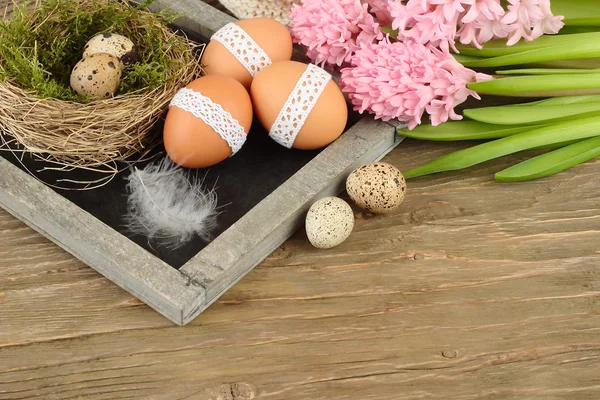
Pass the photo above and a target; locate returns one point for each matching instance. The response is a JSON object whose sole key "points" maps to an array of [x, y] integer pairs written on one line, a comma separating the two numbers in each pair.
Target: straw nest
{"points": [[95, 135]]}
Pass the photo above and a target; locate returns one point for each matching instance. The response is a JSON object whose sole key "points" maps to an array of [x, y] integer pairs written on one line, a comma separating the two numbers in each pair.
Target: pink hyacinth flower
{"points": [[437, 22], [530, 19], [440, 22], [381, 10], [482, 30], [332, 30], [403, 80]]}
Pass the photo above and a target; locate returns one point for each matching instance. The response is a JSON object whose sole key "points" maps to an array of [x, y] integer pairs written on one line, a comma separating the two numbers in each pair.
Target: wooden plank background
{"points": [[473, 289]]}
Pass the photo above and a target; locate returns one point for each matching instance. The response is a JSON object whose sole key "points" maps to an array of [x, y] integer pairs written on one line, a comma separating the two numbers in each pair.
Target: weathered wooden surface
{"points": [[257, 234], [472, 290], [229, 256], [100, 246]]}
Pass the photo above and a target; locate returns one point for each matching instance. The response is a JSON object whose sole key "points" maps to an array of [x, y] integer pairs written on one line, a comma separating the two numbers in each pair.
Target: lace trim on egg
{"points": [[243, 47], [213, 115], [299, 104]]}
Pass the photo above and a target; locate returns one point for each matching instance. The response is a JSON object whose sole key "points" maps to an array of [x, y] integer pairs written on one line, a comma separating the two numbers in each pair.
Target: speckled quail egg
{"points": [[376, 187], [329, 222], [97, 76], [111, 43]]}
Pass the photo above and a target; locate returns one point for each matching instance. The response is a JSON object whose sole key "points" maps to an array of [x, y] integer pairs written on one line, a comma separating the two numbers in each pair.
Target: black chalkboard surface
{"points": [[241, 182]]}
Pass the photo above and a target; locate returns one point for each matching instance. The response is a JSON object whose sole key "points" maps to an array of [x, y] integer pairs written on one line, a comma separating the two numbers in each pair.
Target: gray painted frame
{"points": [[182, 295]]}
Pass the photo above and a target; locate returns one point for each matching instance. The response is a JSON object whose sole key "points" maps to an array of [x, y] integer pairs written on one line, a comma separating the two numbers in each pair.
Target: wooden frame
{"points": [[180, 295]]}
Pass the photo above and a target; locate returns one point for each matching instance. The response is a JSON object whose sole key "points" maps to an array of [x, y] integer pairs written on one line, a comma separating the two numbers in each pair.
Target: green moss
{"points": [[40, 45]]}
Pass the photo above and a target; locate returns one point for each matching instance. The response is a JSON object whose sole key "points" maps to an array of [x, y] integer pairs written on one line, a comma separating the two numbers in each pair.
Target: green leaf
{"points": [[586, 63], [567, 30], [550, 163], [540, 85], [583, 21], [547, 71], [559, 100], [563, 50], [498, 47], [536, 137], [461, 58], [575, 8], [540, 114], [461, 130], [555, 146], [591, 98]]}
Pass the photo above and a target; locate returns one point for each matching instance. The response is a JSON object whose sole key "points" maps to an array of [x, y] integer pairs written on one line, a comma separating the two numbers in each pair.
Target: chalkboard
{"points": [[241, 182]]}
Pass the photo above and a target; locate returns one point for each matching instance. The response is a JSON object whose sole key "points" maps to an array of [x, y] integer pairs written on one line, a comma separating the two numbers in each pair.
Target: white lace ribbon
{"points": [[213, 115], [299, 104], [243, 47]]}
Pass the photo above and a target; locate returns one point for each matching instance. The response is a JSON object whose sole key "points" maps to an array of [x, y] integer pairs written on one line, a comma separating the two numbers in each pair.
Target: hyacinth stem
{"points": [[559, 100], [550, 163], [576, 9], [498, 48], [461, 130], [578, 29], [587, 63], [390, 31], [585, 21], [539, 114], [536, 137], [547, 71], [563, 50], [540, 85], [555, 146]]}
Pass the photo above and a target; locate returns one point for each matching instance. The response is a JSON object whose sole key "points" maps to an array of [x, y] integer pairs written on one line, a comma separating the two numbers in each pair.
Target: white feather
{"points": [[165, 206]]}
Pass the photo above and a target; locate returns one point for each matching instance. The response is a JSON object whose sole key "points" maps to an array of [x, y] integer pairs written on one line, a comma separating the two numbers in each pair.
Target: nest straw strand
{"points": [[93, 136]]}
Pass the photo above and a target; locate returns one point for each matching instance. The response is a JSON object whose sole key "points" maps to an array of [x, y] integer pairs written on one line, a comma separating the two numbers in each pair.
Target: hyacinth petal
{"points": [[441, 22], [422, 78], [472, 15], [334, 28]]}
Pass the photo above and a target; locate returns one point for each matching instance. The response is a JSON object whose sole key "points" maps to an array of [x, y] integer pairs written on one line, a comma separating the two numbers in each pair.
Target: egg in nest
{"points": [[111, 43], [97, 76]]}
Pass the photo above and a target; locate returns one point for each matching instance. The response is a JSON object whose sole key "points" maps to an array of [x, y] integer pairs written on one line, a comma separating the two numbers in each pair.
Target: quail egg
{"points": [[329, 222], [111, 43], [376, 187], [97, 76]]}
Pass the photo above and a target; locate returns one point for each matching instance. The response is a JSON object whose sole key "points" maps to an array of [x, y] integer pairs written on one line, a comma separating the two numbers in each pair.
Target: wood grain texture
{"points": [[110, 253], [229, 257], [472, 290], [182, 295]]}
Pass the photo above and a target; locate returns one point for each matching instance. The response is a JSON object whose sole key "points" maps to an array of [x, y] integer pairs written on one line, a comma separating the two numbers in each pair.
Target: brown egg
{"points": [[271, 36], [189, 140], [274, 85]]}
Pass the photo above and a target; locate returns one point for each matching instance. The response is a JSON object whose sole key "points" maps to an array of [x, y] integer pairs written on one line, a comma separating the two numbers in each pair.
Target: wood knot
{"points": [[227, 391], [242, 391], [449, 354], [419, 257]]}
